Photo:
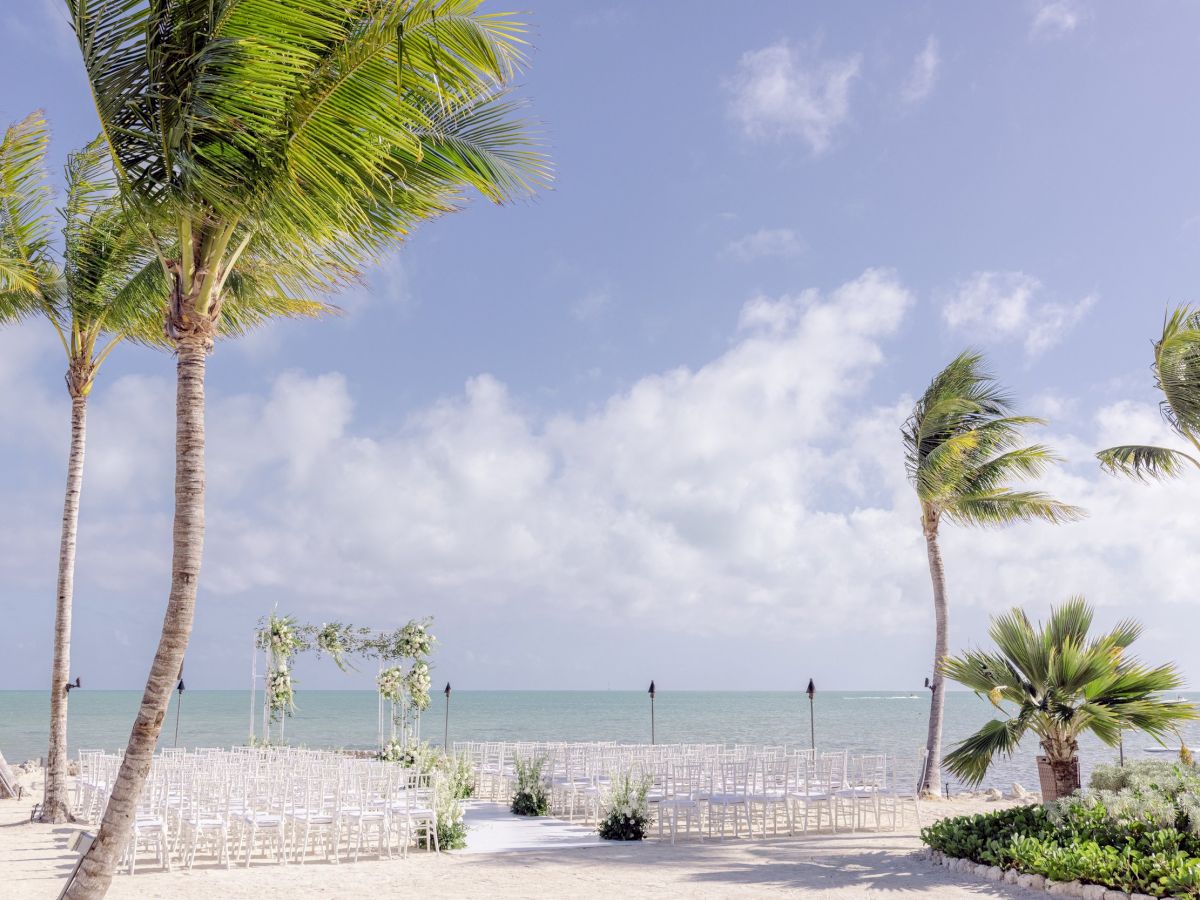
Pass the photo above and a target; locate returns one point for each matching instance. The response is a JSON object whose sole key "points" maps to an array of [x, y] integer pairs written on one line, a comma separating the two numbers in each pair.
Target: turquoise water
{"points": [[860, 721]]}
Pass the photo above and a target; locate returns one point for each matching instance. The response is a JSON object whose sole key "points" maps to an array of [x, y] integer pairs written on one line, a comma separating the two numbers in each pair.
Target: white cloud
{"points": [[1055, 18], [923, 75], [1008, 305], [691, 486], [781, 92], [766, 242], [760, 495]]}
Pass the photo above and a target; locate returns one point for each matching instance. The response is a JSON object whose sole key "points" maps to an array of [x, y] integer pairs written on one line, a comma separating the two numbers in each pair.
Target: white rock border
{"points": [[1025, 880]]}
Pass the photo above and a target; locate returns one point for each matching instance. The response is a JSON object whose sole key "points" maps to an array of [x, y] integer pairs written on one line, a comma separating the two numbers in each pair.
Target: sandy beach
{"points": [[34, 859]]}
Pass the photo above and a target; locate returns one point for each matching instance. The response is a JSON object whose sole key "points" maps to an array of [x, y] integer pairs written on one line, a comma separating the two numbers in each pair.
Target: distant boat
{"points": [[1162, 749]]}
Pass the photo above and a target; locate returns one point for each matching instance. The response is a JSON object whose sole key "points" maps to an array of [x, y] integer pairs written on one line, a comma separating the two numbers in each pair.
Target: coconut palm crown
{"points": [[1057, 682], [1177, 375], [964, 454]]}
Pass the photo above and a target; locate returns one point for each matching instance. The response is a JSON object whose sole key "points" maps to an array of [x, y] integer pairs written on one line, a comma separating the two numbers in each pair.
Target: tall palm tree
{"points": [[105, 289], [311, 133], [1177, 375], [1061, 683], [92, 299], [963, 450]]}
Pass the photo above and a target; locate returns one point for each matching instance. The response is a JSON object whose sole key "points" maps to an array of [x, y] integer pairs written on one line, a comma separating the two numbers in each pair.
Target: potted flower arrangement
{"points": [[626, 814], [532, 796]]}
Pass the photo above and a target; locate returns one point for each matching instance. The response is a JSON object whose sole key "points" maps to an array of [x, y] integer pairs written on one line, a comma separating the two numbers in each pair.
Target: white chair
{"points": [[730, 793], [683, 796]]}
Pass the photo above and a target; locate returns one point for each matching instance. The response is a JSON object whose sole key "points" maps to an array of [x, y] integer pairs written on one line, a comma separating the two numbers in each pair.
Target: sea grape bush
{"points": [[1134, 829]]}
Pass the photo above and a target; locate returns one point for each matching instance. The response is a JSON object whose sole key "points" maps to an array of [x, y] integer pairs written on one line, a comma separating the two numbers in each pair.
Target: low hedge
{"points": [[1076, 841]]}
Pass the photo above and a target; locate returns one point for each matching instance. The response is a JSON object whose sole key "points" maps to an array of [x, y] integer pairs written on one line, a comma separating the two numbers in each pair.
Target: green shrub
{"points": [[1130, 848], [532, 796]]}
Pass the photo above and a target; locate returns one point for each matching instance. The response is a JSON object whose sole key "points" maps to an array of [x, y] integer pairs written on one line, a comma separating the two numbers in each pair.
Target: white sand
{"points": [[545, 860]]}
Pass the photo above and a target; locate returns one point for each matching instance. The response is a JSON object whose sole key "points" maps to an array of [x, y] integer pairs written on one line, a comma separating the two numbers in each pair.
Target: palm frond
{"points": [[1145, 463], [998, 507], [964, 448], [26, 264], [1177, 368], [971, 758]]}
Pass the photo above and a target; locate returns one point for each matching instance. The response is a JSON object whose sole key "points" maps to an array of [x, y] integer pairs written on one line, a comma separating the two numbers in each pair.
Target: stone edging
{"points": [[1032, 882]]}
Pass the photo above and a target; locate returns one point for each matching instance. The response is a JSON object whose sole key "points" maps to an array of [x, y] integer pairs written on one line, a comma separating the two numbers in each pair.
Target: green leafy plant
{"points": [[532, 794], [626, 814], [1133, 829], [460, 775], [452, 826], [1059, 683]]}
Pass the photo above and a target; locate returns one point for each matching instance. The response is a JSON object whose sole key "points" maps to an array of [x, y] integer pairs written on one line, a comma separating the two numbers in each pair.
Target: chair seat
{"points": [[203, 823], [267, 819]]}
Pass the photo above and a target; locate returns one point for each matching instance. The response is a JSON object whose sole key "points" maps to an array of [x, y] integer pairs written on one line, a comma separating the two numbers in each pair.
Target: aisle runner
{"points": [[493, 829]]}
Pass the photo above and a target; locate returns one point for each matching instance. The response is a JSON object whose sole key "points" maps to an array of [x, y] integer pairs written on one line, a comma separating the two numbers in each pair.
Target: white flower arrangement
{"points": [[281, 637], [280, 695], [417, 683], [391, 684], [415, 640], [626, 814]]}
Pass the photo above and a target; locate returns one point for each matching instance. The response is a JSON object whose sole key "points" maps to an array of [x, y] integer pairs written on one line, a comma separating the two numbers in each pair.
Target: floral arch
{"points": [[402, 656]]}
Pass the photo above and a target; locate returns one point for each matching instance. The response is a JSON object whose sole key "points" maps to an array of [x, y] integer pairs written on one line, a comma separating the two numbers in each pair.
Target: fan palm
{"points": [[311, 133], [1059, 684], [963, 450], [1177, 375]]}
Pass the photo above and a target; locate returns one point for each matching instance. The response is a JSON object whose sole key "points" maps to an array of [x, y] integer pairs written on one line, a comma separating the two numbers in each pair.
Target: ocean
{"points": [[860, 721]]}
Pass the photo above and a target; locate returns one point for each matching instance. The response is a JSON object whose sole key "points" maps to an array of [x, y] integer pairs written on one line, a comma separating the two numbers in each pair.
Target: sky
{"points": [[647, 425]]}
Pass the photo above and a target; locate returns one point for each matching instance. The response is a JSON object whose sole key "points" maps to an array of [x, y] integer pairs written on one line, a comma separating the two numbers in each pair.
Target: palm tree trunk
{"points": [[96, 871], [941, 648], [55, 807]]}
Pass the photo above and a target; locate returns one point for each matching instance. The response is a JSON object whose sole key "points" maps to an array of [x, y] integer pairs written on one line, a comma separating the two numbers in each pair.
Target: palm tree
{"points": [[93, 292], [1061, 684], [104, 290], [1177, 375], [313, 134], [963, 450]]}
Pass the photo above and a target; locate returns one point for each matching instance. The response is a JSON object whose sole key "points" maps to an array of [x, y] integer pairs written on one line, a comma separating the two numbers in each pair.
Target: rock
{"points": [[992, 795], [1033, 882], [982, 870], [1140, 897], [1011, 876], [965, 795], [994, 873], [1048, 885], [1093, 892], [1018, 792], [1074, 888], [1115, 895], [1059, 889]]}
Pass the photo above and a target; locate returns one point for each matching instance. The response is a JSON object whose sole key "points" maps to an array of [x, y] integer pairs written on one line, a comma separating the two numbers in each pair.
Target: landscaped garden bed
{"points": [[1136, 830]]}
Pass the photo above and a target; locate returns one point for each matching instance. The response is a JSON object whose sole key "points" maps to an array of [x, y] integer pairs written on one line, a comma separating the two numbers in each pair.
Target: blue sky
{"points": [[646, 426]]}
